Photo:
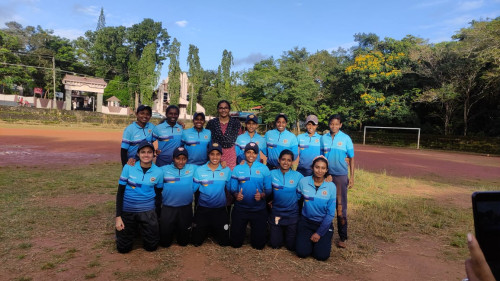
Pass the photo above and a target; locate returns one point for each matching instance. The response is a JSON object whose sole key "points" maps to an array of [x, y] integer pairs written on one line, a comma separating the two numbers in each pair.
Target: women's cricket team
{"points": [[221, 170]]}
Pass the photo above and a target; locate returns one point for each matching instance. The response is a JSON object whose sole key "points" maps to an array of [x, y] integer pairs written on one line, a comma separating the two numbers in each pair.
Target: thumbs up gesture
{"points": [[258, 195], [239, 195]]}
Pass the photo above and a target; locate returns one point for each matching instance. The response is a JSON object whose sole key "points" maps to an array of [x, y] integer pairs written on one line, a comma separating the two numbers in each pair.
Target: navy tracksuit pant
{"points": [[341, 182], [304, 247], [240, 217], [146, 222]]}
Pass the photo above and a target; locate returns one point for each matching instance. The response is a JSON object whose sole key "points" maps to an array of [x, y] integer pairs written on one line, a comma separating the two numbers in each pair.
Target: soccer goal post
{"points": [[392, 128]]}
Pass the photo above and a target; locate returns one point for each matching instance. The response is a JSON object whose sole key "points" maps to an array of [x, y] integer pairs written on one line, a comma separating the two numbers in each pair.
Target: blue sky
{"points": [[254, 30]]}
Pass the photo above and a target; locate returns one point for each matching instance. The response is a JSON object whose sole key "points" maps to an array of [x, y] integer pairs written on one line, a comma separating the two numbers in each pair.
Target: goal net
{"points": [[384, 133]]}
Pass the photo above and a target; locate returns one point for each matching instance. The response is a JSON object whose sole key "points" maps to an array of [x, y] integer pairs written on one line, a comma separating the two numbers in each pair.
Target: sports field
{"points": [[409, 213]]}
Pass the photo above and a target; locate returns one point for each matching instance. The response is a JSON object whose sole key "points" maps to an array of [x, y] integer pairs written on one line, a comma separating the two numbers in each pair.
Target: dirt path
{"points": [[411, 258]]}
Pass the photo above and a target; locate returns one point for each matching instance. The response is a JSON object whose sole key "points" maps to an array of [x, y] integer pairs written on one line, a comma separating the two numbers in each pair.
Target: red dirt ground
{"points": [[412, 258]]}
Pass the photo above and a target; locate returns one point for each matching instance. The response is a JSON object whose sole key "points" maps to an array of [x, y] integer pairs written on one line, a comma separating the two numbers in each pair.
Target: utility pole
{"points": [[54, 79]]}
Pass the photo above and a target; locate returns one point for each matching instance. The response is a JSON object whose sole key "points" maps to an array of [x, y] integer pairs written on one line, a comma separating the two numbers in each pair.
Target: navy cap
{"points": [[214, 146], [252, 117], [196, 114], [281, 115], [252, 146], [144, 107], [143, 144], [180, 151]]}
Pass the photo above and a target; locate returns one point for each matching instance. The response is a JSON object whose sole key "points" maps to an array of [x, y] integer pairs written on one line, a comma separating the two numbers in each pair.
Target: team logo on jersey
{"points": [[149, 131], [339, 143], [291, 181], [257, 142], [221, 174], [178, 129], [285, 141], [317, 140], [152, 179], [187, 172], [206, 137], [258, 172], [324, 192]]}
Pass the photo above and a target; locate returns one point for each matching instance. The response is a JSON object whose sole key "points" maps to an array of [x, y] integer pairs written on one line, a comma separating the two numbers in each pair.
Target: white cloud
{"points": [[470, 5], [87, 10], [70, 34], [250, 59], [345, 46], [181, 23]]}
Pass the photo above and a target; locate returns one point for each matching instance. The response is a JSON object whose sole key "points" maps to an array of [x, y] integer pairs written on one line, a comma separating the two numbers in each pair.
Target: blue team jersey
{"points": [[140, 187], [178, 185], [336, 150], [276, 142], [196, 144], [285, 195], [319, 205], [309, 148], [243, 140], [133, 135], [212, 185], [250, 179], [169, 138]]}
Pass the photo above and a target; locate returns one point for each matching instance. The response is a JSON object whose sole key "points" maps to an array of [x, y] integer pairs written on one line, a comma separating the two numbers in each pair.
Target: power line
{"points": [[69, 72]]}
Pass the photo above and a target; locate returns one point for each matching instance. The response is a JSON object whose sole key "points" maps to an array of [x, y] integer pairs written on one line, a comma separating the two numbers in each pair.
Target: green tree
{"points": [[148, 73], [195, 74], [101, 23], [174, 72]]}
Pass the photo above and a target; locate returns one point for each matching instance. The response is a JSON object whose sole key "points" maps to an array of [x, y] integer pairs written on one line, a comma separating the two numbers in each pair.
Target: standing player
{"points": [[250, 182], [315, 228], [285, 209], [135, 201], [211, 180], [135, 133], [337, 146], [196, 140], [177, 198], [279, 139], [309, 146], [168, 134], [251, 135]]}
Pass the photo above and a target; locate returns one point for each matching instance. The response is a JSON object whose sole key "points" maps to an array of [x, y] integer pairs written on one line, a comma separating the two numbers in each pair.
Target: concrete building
{"points": [[163, 99]]}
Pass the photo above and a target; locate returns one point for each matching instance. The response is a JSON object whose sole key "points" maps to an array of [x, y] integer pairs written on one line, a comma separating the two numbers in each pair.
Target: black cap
{"points": [[144, 107], [143, 144], [252, 146], [252, 117], [214, 146], [196, 114], [180, 151], [281, 115]]}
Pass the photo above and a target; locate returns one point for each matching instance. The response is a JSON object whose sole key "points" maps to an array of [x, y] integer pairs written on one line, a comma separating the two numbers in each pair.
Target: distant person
{"points": [[250, 182], [211, 181], [309, 146], [315, 228], [285, 208], [177, 198], [251, 135], [225, 129], [135, 201], [135, 133], [279, 139], [196, 140], [168, 134], [336, 147]]}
